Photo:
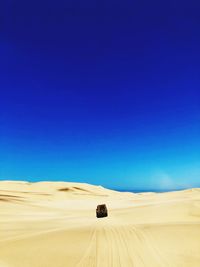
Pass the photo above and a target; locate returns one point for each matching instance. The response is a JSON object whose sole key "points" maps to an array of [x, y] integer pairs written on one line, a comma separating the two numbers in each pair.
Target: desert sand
{"points": [[54, 224]]}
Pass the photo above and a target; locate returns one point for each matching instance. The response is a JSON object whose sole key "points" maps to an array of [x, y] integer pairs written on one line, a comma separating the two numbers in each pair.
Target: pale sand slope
{"points": [[50, 224]]}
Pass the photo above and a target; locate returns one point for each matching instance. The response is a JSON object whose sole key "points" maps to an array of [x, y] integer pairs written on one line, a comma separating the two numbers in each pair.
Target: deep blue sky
{"points": [[104, 94]]}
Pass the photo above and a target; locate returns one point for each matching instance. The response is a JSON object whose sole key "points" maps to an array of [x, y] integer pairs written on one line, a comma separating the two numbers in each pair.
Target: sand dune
{"points": [[53, 224]]}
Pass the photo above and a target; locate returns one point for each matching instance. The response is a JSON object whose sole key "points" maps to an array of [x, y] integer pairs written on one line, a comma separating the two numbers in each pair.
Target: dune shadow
{"points": [[10, 198], [66, 189]]}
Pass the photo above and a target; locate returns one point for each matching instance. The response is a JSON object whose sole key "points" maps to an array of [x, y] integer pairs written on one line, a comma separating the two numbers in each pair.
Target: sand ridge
{"points": [[54, 224]]}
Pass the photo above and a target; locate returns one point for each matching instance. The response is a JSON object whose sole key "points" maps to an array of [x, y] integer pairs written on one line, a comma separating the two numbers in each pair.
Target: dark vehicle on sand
{"points": [[101, 211]]}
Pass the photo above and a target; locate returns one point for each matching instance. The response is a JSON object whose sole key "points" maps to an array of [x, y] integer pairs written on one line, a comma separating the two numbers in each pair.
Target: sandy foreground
{"points": [[54, 224]]}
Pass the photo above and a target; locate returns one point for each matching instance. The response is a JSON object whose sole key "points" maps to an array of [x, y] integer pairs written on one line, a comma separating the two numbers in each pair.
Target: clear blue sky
{"points": [[107, 95]]}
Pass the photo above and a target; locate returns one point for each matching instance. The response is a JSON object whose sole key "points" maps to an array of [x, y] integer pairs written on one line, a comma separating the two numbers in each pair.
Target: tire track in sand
{"points": [[121, 246]]}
